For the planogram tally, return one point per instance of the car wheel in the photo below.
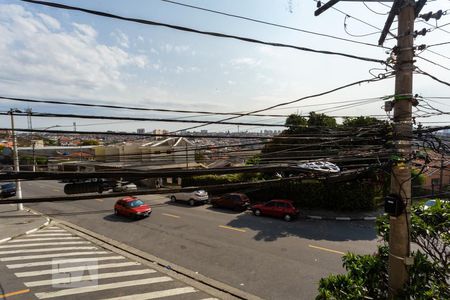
(287, 218)
(191, 202)
(173, 199)
(116, 212)
(257, 212)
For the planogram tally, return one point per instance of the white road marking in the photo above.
(44, 239)
(43, 244)
(158, 294)
(53, 230)
(47, 249)
(62, 261)
(75, 269)
(102, 287)
(87, 277)
(51, 255)
(49, 234)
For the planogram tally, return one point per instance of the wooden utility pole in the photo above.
(399, 236)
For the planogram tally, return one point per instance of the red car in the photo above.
(235, 201)
(276, 208)
(132, 207)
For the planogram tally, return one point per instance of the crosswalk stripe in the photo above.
(47, 249)
(157, 294)
(75, 269)
(49, 234)
(62, 261)
(102, 287)
(51, 255)
(88, 277)
(42, 244)
(44, 239)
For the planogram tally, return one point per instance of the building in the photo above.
(140, 131)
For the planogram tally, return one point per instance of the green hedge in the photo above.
(352, 195)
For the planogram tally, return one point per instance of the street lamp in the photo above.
(16, 156)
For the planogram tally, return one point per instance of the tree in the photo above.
(89, 143)
(361, 121)
(295, 122)
(321, 120)
(366, 276)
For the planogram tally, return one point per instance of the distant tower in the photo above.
(74, 126)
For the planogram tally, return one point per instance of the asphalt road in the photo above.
(267, 257)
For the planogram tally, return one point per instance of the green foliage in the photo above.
(356, 195)
(361, 121)
(366, 276)
(48, 142)
(295, 122)
(89, 143)
(321, 120)
(253, 161)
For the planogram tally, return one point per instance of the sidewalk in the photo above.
(341, 216)
(14, 222)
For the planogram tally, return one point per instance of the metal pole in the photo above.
(16, 161)
(34, 157)
(399, 237)
(441, 177)
(187, 161)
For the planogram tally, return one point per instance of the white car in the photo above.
(199, 196)
(432, 202)
(321, 166)
(125, 188)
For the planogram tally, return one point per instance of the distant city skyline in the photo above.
(53, 54)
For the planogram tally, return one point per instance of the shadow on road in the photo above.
(224, 210)
(114, 218)
(270, 229)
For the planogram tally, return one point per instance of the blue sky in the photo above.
(48, 53)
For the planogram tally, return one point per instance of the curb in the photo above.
(31, 230)
(199, 281)
(341, 218)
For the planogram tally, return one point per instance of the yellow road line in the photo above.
(169, 215)
(55, 190)
(3, 296)
(326, 249)
(99, 200)
(231, 228)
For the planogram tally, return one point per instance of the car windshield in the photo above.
(8, 186)
(135, 203)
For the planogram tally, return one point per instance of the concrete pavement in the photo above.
(14, 223)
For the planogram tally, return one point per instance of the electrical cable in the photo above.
(208, 33)
(298, 100)
(419, 71)
(270, 23)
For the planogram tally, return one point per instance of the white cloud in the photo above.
(50, 21)
(121, 38)
(244, 61)
(39, 58)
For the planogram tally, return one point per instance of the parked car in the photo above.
(7, 190)
(235, 201)
(276, 208)
(321, 166)
(433, 202)
(125, 188)
(132, 207)
(195, 197)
